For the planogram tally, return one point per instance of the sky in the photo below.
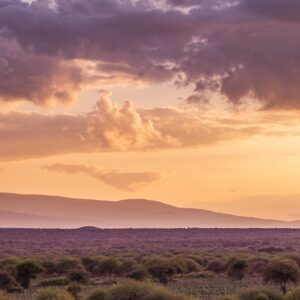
(194, 103)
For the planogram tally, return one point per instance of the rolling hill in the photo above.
(39, 211)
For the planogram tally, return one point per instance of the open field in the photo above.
(92, 241)
(200, 263)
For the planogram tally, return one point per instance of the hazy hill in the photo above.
(53, 211)
(19, 220)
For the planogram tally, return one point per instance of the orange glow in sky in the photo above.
(200, 109)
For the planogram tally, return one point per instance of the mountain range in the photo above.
(40, 211)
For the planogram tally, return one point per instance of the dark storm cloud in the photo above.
(86, 30)
(251, 51)
(40, 79)
(239, 49)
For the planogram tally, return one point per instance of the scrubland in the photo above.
(149, 264)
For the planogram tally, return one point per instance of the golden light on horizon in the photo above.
(187, 111)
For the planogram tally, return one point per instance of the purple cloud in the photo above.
(241, 50)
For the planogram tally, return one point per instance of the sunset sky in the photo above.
(194, 103)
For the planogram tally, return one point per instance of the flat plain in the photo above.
(201, 263)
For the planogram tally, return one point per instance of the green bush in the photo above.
(191, 266)
(50, 267)
(91, 264)
(237, 269)
(26, 271)
(196, 258)
(8, 264)
(128, 265)
(110, 265)
(258, 294)
(55, 281)
(53, 294)
(162, 271)
(138, 273)
(177, 264)
(182, 264)
(134, 290)
(67, 265)
(282, 272)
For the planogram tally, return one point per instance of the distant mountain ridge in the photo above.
(40, 211)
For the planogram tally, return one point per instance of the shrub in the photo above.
(184, 265)
(90, 264)
(258, 294)
(293, 294)
(295, 257)
(199, 260)
(225, 297)
(282, 273)
(271, 250)
(237, 269)
(78, 276)
(97, 294)
(176, 263)
(134, 290)
(163, 272)
(75, 289)
(201, 274)
(110, 265)
(3, 296)
(55, 281)
(53, 294)
(50, 267)
(8, 261)
(258, 265)
(139, 273)
(67, 265)
(191, 266)
(26, 271)
(8, 264)
(216, 266)
(128, 265)
(7, 282)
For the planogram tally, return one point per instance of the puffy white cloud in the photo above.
(122, 128)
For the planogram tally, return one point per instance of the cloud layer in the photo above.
(241, 50)
(106, 128)
(111, 128)
(129, 181)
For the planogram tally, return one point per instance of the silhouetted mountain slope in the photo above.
(53, 211)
